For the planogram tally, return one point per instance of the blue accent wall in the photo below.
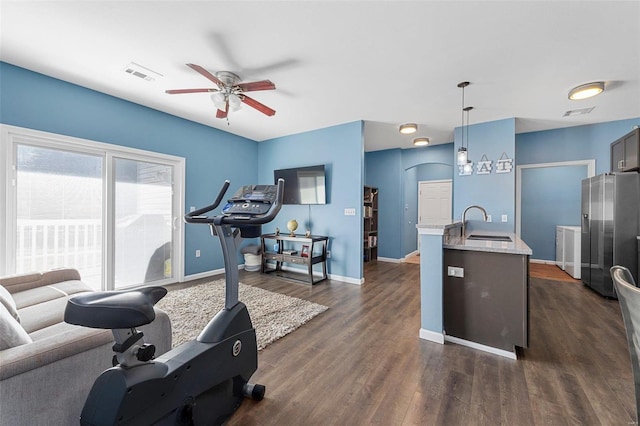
(341, 149)
(396, 173)
(551, 196)
(495, 191)
(36, 101)
(384, 171)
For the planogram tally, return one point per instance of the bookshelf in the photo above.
(370, 218)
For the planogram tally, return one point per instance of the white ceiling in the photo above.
(334, 62)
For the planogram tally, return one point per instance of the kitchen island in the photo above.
(474, 292)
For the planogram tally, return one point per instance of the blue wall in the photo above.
(495, 191)
(340, 149)
(395, 173)
(551, 196)
(40, 102)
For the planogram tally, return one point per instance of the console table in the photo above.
(298, 250)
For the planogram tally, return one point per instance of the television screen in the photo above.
(303, 185)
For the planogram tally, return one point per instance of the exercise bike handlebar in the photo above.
(199, 215)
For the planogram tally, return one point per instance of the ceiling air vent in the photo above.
(139, 71)
(580, 111)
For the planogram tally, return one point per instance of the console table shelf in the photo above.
(290, 250)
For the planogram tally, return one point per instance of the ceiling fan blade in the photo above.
(179, 91)
(206, 73)
(257, 105)
(257, 85)
(221, 113)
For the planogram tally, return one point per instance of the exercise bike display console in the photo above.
(203, 381)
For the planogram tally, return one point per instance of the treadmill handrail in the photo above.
(199, 215)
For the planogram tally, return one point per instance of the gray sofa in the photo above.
(47, 366)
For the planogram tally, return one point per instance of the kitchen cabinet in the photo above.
(625, 152)
(486, 298)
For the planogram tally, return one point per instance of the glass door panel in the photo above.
(59, 205)
(143, 200)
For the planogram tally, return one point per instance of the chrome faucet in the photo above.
(464, 217)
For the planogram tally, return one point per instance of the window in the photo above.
(108, 211)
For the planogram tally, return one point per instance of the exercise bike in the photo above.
(203, 381)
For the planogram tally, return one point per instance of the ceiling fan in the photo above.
(230, 92)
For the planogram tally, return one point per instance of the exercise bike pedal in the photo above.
(254, 391)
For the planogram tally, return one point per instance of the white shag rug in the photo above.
(273, 315)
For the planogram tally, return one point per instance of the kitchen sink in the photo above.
(503, 238)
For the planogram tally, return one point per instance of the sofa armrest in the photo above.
(19, 359)
(22, 282)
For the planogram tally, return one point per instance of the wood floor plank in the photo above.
(361, 362)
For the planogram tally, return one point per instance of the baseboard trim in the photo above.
(484, 348)
(432, 336)
(544, 262)
(390, 260)
(205, 274)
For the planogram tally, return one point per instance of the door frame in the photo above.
(12, 135)
(591, 170)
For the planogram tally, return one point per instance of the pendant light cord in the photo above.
(462, 112)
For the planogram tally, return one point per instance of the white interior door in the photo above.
(434, 202)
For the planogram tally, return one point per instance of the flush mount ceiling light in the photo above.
(421, 141)
(408, 128)
(585, 91)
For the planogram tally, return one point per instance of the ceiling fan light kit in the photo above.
(408, 128)
(229, 95)
(587, 90)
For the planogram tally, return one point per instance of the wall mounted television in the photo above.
(303, 185)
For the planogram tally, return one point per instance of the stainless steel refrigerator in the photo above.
(610, 207)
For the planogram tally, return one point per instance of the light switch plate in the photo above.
(349, 212)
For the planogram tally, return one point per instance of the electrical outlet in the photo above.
(504, 218)
(328, 254)
(197, 253)
(454, 271)
(489, 219)
(192, 208)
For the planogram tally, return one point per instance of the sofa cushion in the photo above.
(49, 292)
(11, 332)
(7, 300)
(22, 282)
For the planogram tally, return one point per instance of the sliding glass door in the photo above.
(59, 212)
(143, 221)
(108, 211)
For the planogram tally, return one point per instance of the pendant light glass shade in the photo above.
(462, 156)
(585, 91)
(408, 128)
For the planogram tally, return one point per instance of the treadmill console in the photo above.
(251, 200)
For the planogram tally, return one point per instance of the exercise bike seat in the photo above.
(114, 309)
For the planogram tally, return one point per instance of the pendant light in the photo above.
(468, 167)
(463, 155)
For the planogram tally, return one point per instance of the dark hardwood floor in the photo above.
(361, 362)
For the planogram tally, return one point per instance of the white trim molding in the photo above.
(432, 336)
(591, 171)
(480, 347)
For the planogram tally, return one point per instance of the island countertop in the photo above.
(516, 246)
